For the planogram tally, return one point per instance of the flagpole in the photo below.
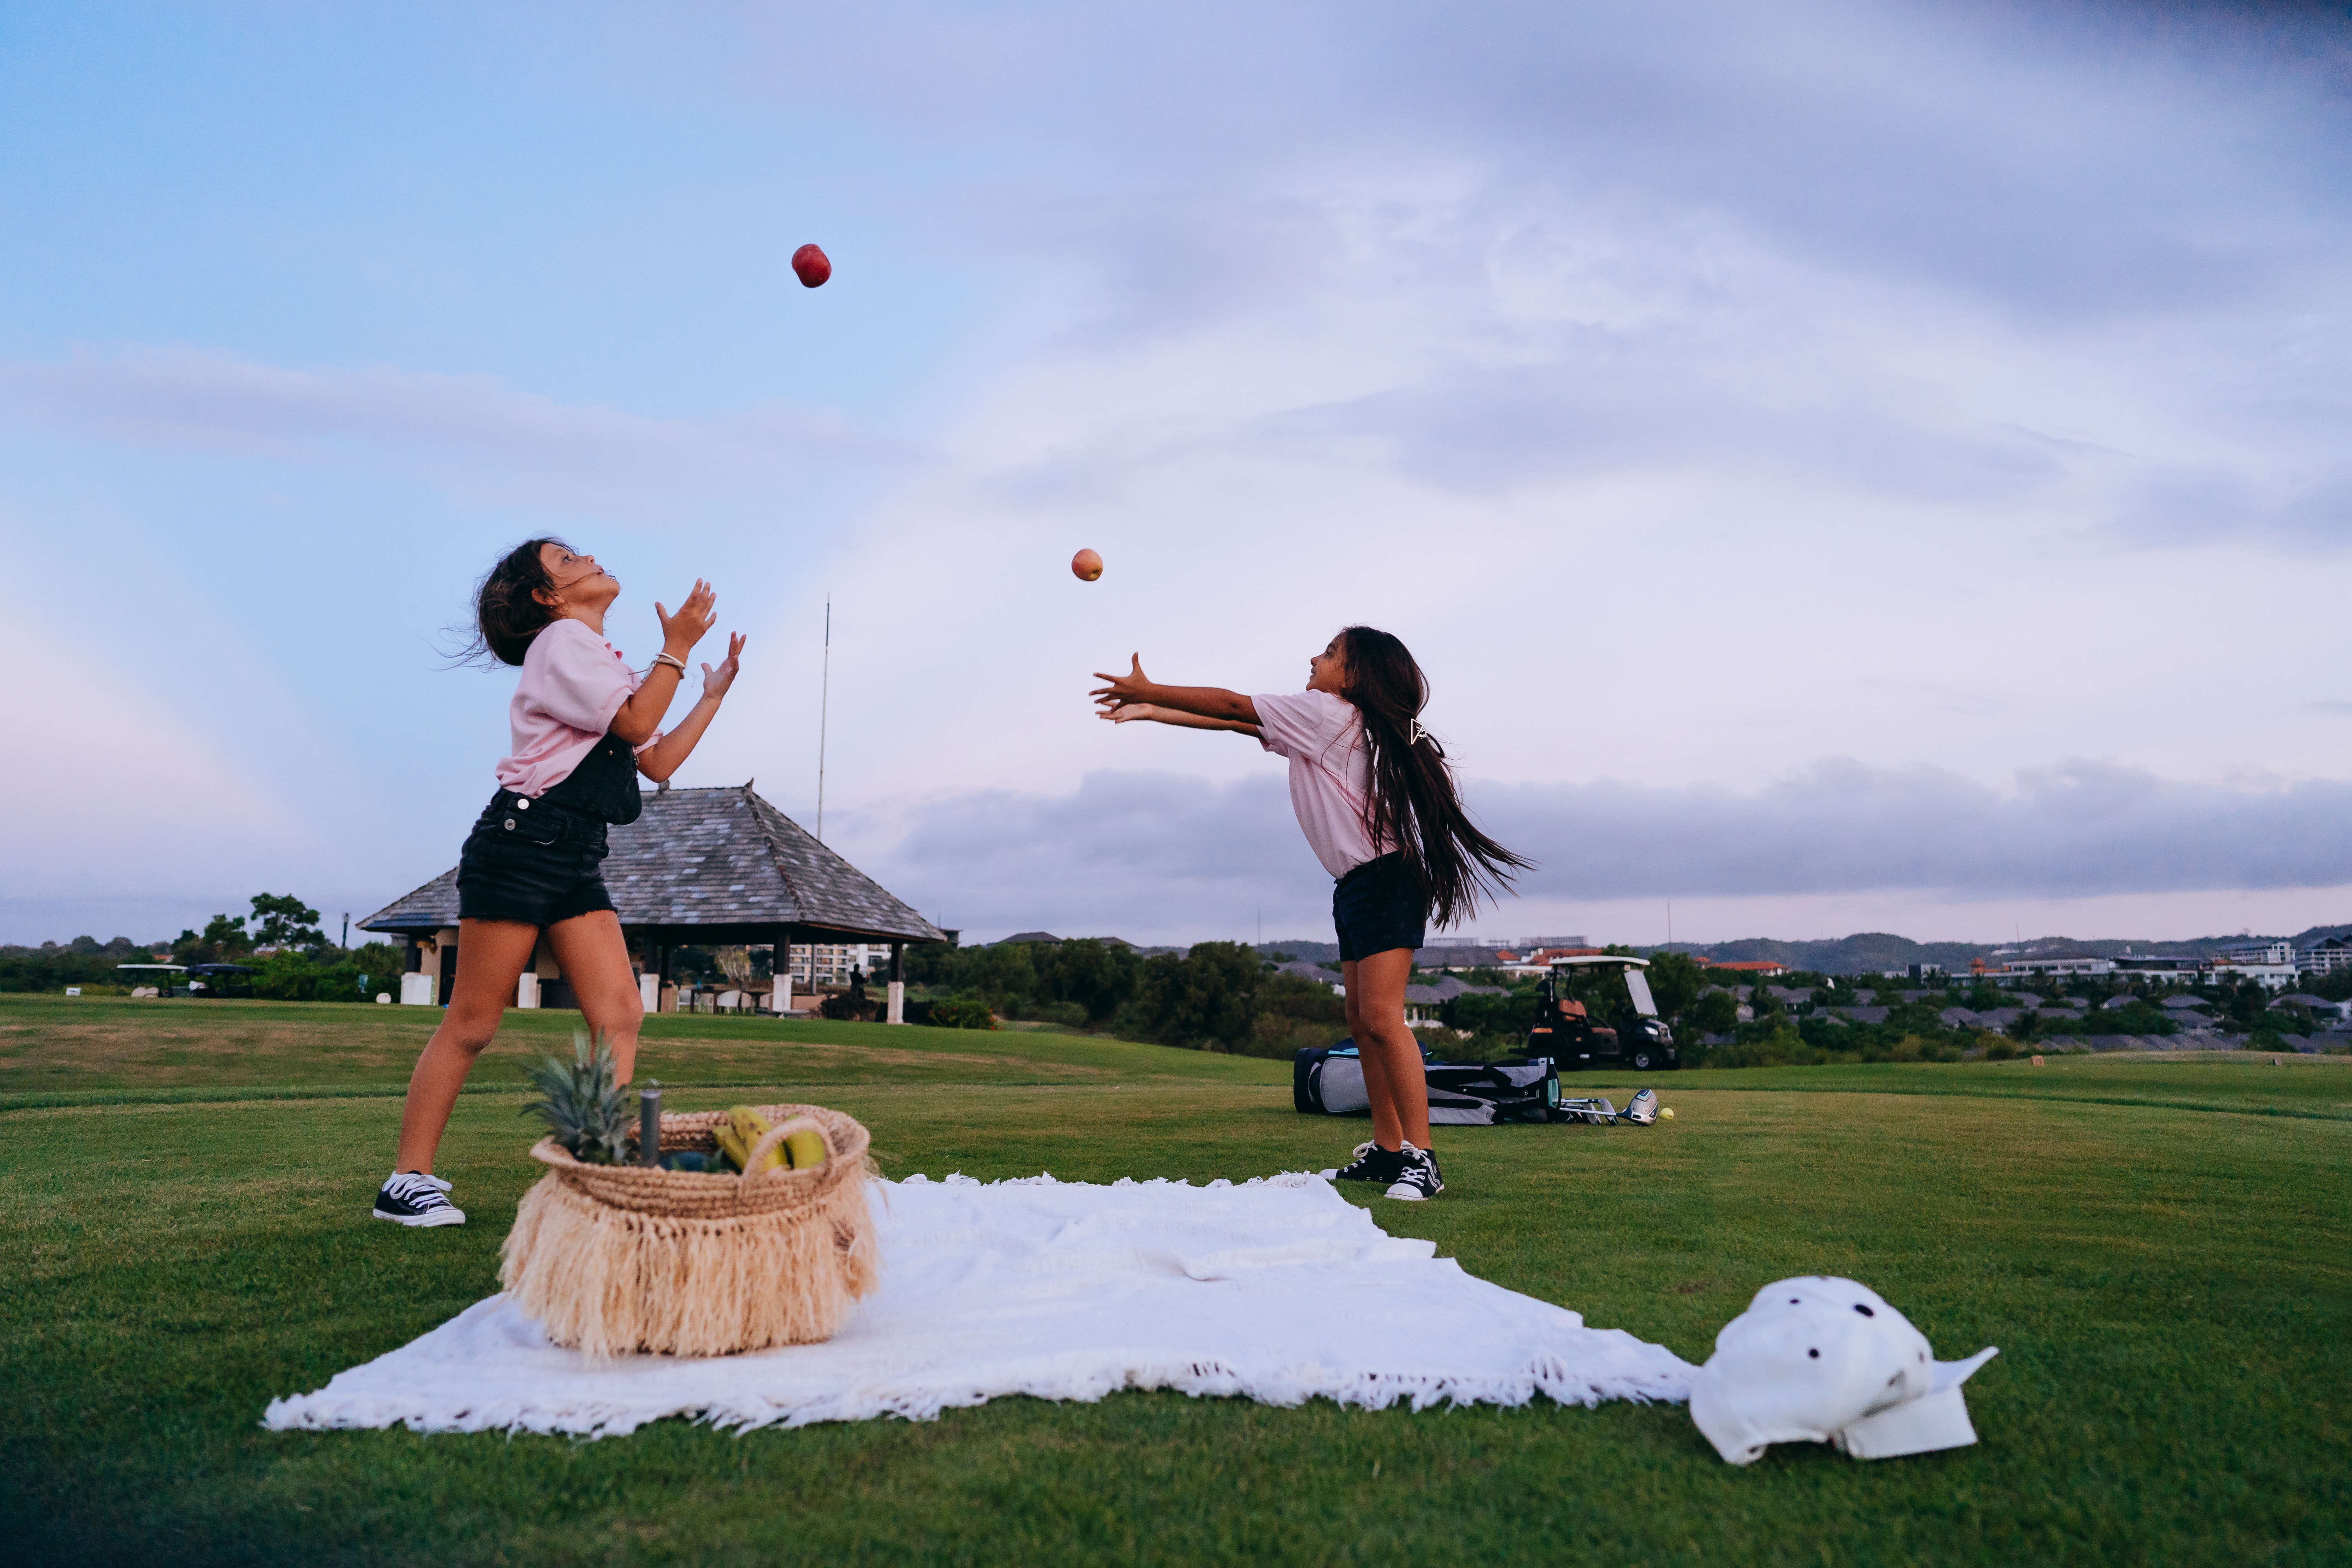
(824, 712)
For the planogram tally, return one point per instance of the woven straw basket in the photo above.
(614, 1259)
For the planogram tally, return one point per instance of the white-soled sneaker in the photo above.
(1419, 1180)
(1372, 1163)
(413, 1198)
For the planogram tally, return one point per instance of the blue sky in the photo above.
(1842, 467)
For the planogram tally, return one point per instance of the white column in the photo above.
(527, 989)
(897, 1013)
(649, 991)
(416, 990)
(783, 991)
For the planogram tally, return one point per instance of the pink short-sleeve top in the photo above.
(574, 682)
(1330, 773)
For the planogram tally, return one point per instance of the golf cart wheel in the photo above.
(1643, 1060)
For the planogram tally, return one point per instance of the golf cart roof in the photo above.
(1598, 960)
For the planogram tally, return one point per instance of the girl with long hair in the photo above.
(1376, 798)
(584, 725)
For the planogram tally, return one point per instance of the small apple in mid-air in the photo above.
(1086, 565)
(810, 266)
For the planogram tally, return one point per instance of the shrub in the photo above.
(1914, 1048)
(958, 1014)
(1778, 1050)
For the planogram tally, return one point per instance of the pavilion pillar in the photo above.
(781, 999)
(897, 1013)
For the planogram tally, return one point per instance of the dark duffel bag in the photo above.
(1330, 1082)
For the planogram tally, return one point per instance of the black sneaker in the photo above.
(1372, 1163)
(1418, 1180)
(411, 1197)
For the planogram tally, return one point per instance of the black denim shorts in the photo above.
(531, 861)
(1377, 907)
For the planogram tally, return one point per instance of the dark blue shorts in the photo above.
(1377, 907)
(529, 861)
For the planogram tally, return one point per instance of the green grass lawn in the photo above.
(2162, 1247)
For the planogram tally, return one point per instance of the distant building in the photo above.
(1762, 968)
(2334, 953)
(2160, 966)
(2060, 963)
(1453, 955)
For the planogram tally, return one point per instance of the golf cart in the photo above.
(1566, 1033)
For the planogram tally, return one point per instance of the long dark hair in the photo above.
(507, 609)
(1413, 807)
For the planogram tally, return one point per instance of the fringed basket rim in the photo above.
(706, 1195)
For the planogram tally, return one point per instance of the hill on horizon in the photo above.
(1872, 952)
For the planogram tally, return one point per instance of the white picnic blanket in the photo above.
(1278, 1291)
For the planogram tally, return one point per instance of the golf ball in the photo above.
(1668, 1115)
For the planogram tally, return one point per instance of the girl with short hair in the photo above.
(1376, 798)
(584, 726)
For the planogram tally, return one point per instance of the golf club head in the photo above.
(1643, 1111)
(1599, 1112)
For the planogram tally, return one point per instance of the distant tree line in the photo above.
(304, 965)
(1216, 996)
(1805, 1031)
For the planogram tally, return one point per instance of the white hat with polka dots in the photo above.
(1819, 1359)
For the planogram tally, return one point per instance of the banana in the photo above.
(805, 1149)
(741, 1133)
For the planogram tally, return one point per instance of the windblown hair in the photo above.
(1413, 807)
(507, 610)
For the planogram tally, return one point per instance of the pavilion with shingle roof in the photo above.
(700, 867)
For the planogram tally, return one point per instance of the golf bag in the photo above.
(1463, 1094)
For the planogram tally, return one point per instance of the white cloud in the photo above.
(123, 785)
(1162, 857)
(180, 396)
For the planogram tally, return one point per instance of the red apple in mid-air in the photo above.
(811, 266)
(1086, 565)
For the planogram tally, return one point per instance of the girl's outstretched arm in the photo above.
(666, 755)
(1205, 702)
(641, 715)
(1127, 713)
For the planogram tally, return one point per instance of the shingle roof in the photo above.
(712, 858)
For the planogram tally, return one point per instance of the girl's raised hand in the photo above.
(1131, 687)
(694, 617)
(1126, 712)
(715, 682)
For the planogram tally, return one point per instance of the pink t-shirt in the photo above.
(1330, 776)
(574, 682)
